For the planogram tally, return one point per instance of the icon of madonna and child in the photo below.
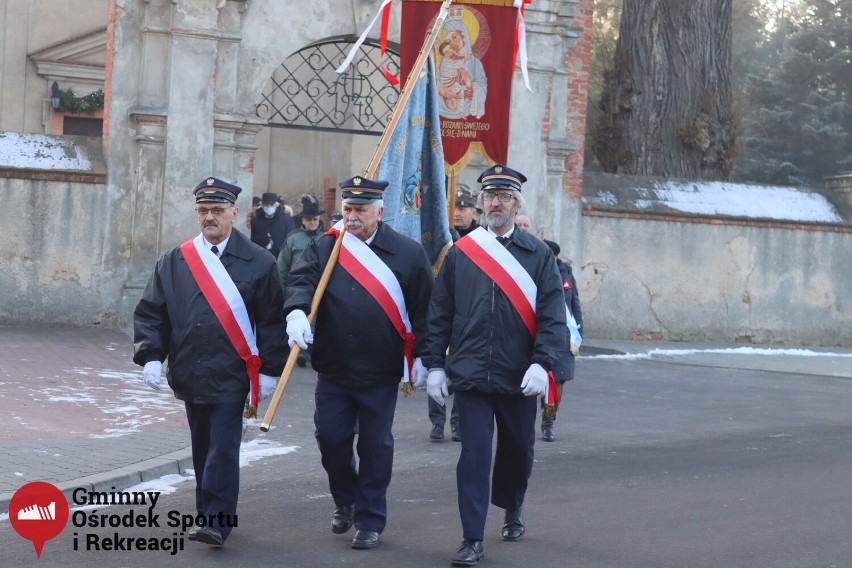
(462, 83)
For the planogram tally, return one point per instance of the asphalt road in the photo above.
(657, 464)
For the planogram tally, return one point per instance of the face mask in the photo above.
(269, 210)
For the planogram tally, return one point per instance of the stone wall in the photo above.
(675, 276)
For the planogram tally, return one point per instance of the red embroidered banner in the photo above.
(474, 64)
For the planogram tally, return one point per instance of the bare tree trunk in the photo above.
(666, 101)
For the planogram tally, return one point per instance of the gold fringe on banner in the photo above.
(473, 147)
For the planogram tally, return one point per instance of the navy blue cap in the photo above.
(362, 190)
(501, 177)
(214, 189)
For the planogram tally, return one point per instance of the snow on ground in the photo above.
(726, 351)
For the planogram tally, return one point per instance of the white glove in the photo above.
(151, 374)
(534, 382)
(267, 386)
(418, 374)
(299, 329)
(436, 385)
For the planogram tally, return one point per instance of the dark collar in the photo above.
(386, 239)
(524, 239)
(239, 245)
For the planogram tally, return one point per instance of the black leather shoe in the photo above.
(342, 519)
(365, 539)
(469, 553)
(192, 534)
(437, 432)
(513, 525)
(209, 535)
(547, 434)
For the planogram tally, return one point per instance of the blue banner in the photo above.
(413, 163)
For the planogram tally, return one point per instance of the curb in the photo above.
(177, 462)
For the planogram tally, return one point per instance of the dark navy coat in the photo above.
(174, 320)
(564, 370)
(355, 343)
(490, 348)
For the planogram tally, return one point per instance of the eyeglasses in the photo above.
(504, 197)
(217, 211)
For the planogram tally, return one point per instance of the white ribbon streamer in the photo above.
(522, 44)
(361, 39)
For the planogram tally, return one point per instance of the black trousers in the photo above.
(216, 431)
(338, 410)
(514, 416)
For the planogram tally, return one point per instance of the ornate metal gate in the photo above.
(306, 92)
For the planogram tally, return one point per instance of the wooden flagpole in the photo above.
(369, 173)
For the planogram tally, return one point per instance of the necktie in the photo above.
(503, 240)
(215, 250)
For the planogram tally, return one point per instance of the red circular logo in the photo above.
(38, 512)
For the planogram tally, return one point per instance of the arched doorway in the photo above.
(336, 119)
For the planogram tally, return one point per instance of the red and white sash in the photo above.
(376, 277)
(483, 249)
(227, 304)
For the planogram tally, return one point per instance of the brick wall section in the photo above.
(578, 62)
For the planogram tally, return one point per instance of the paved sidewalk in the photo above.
(74, 411)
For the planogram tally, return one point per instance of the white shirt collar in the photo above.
(507, 235)
(221, 246)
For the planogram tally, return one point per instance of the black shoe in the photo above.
(437, 432)
(365, 539)
(513, 525)
(547, 434)
(210, 535)
(456, 436)
(469, 553)
(342, 519)
(192, 534)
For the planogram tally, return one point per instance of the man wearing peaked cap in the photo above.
(466, 210)
(359, 352)
(206, 370)
(497, 374)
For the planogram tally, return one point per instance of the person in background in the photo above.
(363, 346)
(495, 346)
(564, 370)
(464, 221)
(255, 204)
(466, 210)
(270, 224)
(525, 223)
(297, 241)
(209, 372)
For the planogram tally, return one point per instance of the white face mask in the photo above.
(269, 210)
